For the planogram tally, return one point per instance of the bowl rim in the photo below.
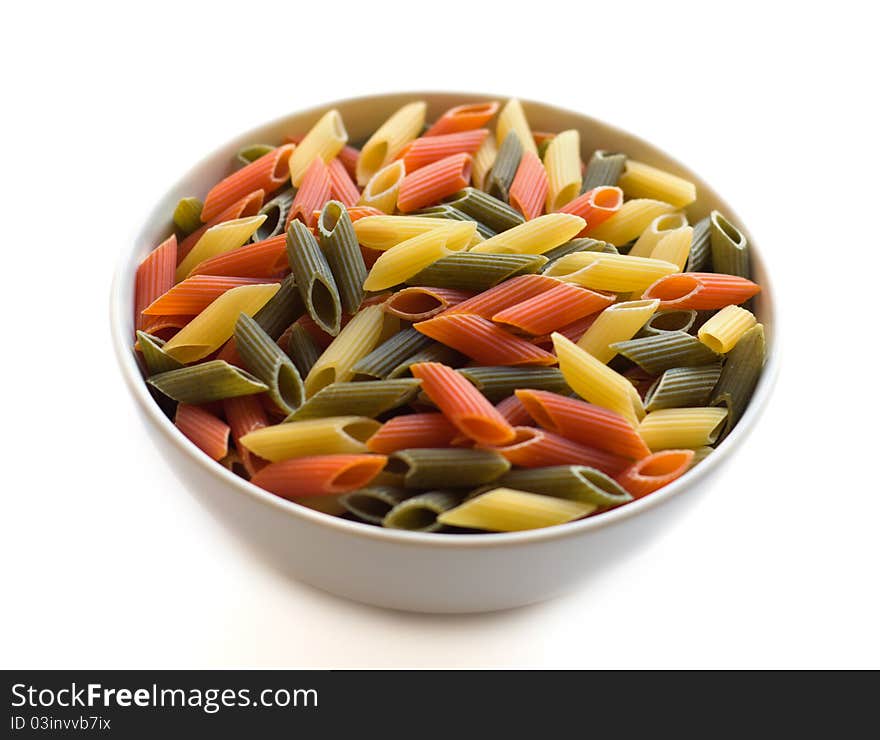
(135, 382)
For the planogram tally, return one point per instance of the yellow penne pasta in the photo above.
(483, 161)
(513, 118)
(640, 180)
(381, 191)
(657, 230)
(617, 323)
(675, 247)
(595, 382)
(673, 429)
(563, 164)
(534, 237)
(384, 232)
(413, 255)
(386, 143)
(218, 239)
(325, 140)
(333, 435)
(614, 272)
(214, 326)
(357, 339)
(509, 510)
(630, 221)
(723, 330)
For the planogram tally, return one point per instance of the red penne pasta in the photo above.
(463, 404)
(463, 118)
(264, 259)
(418, 304)
(584, 423)
(196, 293)
(321, 337)
(245, 414)
(203, 429)
(229, 353)
(313, 193)
(432, 183)
(348, 156)
(356, 212)
(573, 331)
(268, 173)
(701, 291)
(555, 308)
(155, 276)
(342, 187)
(528, 191)
(483, 341)
(412, 430)
(595, 206)
(538, 448)
(249, 205)
(655, 471)
(509, 293)
(512, 409)
(321, 475)
(427, 150)
(165, 327)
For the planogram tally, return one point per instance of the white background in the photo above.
(108, 563)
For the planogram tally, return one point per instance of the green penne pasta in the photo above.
(604, 168)
(372, 504)
(447, 211)
(188, 215)
(209, 381)
(730, 250)
(497, 383)
(154, 358)
(435, 352)
(739, 376)
(429, 468)
(573, 482)
(501, 175)
(476, 272)
(658, 353)
(683, 387)
(343, 253)
(367, 398)
(391, 353)
(419, 513)
(313, 278)
(275, 211)
(267, 361)
(577, 245)
(281, 310)
(301, 348)
(484, 209)
(700, 256)
(252, 152)
(663, 322)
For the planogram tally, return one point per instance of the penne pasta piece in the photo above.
(603, 169)
(245, 414)
(262, 259)
(313, 278)
(419, 513)
(483, 341)
(683, 387)
(312, 194)
(268, 173)
(369, 399)
(563, 164)
(595, 206)
(724, 329)
(655, 232)
(159, 326)
(730, 250)
(430, 149)
(513, 118)
(412, 431)
(276, 212)
(348, 156)
(390, 354)
(595, 382)
(357, 339)
(530, 187)
(585, 423)
(675, 247)
(419, 303)
(508, 510)
(661, 352)
(188, 215)
(252, 152)
(433, 182)
(430, 468)
(700, 257)
(666, 321)
(740, 376)
(334, 435)
(572, 482)
(630, 221)
(655, 471)
(213, 326)
(154, 357)
(612, 272)
(446, 211)
(463, 118)
(217, 240)
(701, 291)
(154, 277)
(196, 293)
(343, 254)
(496, 383)
(640, 180)
(342, 187)
(506, 294)
(573, 331)
(484, 160)
(319, 475)
(484, 209)
(302, 349)
(514, 412)
(555, 308)
(476, 272)
(669, 429)
(245, 207)
(281, 310)
(323, 141)
(206, 382)
(203, 429)
(533, 237)
(577, 245)
(434, 352)
(372, 503)
(390, 138)
(383, 188)
(463, 404)
(384, 232)
(617, 323)
(498, 180)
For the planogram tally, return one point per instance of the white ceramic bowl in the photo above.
(408, 570)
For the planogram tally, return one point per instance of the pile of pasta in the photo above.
(458, 327)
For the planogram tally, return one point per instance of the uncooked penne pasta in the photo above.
(690, 428)
(508, 510)
(389, 139)
(513, 118)
(334, 435)
(563, 164)
(324, 140)
(640, 180)
(617, 323)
